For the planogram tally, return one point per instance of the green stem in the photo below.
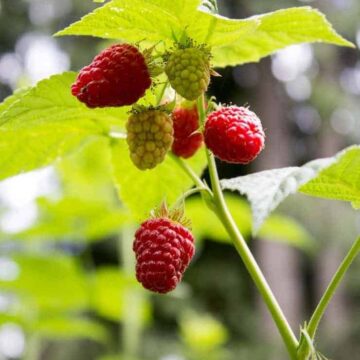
(191, 173)
(161, 94)
(247, 257)
(330, 291)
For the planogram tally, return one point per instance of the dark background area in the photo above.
(308, 99)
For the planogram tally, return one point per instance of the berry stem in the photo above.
(190, 172)
(161, 93)
(222, 211)
(329, 293)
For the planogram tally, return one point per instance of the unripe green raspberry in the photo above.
(188, 71)
(149, 136)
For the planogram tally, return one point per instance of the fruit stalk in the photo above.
(328, 295)
(242, 248)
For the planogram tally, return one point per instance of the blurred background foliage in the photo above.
(67, 287)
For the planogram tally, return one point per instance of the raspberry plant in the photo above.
(185, 39)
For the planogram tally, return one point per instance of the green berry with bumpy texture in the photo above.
(149, 136)
(188, 71)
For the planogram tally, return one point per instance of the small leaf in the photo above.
(340, 181)
(267, 189)
(141, 191)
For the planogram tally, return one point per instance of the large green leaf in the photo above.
(141, 191)
(267, 189)
(233, 42)
(41, 124)
(51, 101)
(31, 148)
(336, 177)
(273, 31)
(10, 100)
(340, 181)
(137, 20)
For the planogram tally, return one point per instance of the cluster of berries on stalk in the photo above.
(120, 76)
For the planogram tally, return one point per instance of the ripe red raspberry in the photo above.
(187, 138)
(163, 249)
(118, 76)
(234, 134)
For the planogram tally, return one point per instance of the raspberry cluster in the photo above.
(149, 136)
(163, 249)
(188, 71)
(118, 76)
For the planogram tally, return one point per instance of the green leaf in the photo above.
(62, 328)
(340, 181)
(141, 191)
(28, 149)
(10, 100)
(51, 102)
(233, 42)
(267, 189)
(41, 124)
(86, 174)
(273, 31)
(137, 20)
(111, 291)
(48, 283)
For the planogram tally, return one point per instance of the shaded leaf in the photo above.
(141, 191)
(111, 288)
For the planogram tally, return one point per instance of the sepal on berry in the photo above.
(176, 214)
